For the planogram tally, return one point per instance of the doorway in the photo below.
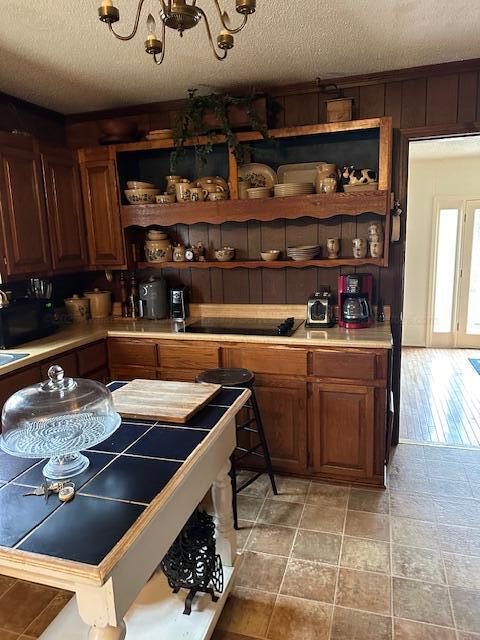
(440, 397)
(454, 319)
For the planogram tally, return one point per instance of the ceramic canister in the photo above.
(78, 308)
(100, 303)
(359, 247)
(333, 247)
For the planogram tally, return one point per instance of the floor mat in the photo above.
(475, 364)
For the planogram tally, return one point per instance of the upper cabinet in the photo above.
(102, 209)
(64, 207)
(24, 226)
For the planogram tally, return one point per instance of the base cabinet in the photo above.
(323, 409)
(283, 405)
(341, 430)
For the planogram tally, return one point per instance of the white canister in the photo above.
(78, 308)
(100, 303)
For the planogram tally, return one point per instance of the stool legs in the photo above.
(263, 440)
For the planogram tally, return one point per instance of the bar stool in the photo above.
(245, 379)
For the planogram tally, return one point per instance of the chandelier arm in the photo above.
(209, 33)
(160, 60)
(135, 25)
(222, 20)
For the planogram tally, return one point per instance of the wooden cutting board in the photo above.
(162, 400)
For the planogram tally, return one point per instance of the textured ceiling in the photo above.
(57, 53)
(458, 147)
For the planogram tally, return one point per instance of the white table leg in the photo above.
(107, 633)
(225, 534)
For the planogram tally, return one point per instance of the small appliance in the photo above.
(320, 312)
(153, 295)
(178, 303)
(354, 300)
(25, 319)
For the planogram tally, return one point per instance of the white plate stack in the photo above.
(303, 253)
(293, 189)
(259, 192)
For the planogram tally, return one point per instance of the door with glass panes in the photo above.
(455, 299)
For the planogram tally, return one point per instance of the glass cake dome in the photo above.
(57, 419)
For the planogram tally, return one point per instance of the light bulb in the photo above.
(151, 25)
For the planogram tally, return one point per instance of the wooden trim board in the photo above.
(162, 400)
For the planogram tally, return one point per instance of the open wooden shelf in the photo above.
(324, 205)
(256, 264)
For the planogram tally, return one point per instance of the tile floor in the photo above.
(326, 562)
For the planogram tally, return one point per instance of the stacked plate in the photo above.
(293, 189)
(303, 253)
(259, 192)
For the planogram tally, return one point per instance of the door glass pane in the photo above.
(445, 270)
(473, 317)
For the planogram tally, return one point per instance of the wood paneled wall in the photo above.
(48, 126)
(439, 96)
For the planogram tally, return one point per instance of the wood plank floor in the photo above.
(440, 397)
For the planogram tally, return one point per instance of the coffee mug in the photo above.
(197, 194)
(333, 247)
(182, 190)
(328, 185)
(359, 247)
(376, 249)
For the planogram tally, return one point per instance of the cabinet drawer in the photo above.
(67, 362)
(190, 355)
(132, 352)
(124, 372)
(92, 358)
(179, 375)
(344, 364)
(271, 360)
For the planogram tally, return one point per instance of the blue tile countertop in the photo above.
(126, 472)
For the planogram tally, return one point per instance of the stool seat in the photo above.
(227, 377)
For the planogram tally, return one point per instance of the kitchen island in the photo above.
(324, 394)
(131, 503)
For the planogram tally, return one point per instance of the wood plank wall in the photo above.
(443, 95)
(48, 126)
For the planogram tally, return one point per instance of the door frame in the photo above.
(461, 337)
(402, 139)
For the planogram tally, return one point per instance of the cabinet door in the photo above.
(341, 430)
(24, 220)
(64, 207)
(102, 213)
(283, 408)
(12, 383)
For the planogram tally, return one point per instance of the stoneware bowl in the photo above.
(270, 255)
(224, 254)
(135, 184)
(166, 198)
(141, 196)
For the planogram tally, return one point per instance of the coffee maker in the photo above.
(178, 303)
(355, 300)
(320, 313)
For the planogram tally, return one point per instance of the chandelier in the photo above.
(178, 15)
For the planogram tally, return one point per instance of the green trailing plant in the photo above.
(192, 124)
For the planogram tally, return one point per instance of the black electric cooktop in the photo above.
(245, 326)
